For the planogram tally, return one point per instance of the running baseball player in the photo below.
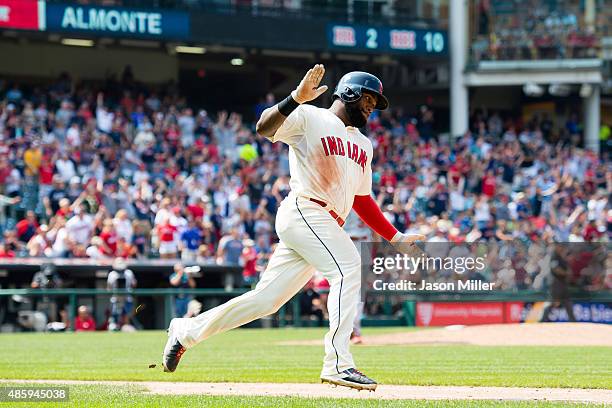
(330, 166)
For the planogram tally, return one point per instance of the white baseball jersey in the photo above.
(328, 161)
(331, 162)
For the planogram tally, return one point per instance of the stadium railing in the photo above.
(408, 298)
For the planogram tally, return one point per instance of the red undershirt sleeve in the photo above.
(367, 209)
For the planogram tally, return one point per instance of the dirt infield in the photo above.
(530, 334)
(387, 392)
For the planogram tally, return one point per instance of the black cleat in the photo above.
(351, 378)
(172, 352)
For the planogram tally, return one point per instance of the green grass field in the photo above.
(254, 356)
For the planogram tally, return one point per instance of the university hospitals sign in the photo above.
(117, 21)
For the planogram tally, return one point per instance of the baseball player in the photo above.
(330, 168)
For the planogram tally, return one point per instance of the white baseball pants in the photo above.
(310, 239)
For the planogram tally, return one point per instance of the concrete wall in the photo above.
(498, 97)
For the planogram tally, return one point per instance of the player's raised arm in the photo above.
(308, 90)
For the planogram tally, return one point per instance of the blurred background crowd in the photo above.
(532, 30)
(125, 171)
(143, 152)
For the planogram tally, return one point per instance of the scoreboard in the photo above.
(401, 40)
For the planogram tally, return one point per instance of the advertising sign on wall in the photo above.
(445, 314)
(587, 312)
(118, 21)
(22, 14)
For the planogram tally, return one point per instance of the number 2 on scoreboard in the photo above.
(372, 35)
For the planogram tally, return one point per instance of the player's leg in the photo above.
(286, 274)
(319, 239)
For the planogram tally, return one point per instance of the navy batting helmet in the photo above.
(351, 86)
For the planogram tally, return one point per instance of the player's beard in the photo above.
(355, 115)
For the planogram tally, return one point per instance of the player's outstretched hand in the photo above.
(309, 89)
(407, 243)
(408, 238)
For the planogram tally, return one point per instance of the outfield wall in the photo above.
(473, 313)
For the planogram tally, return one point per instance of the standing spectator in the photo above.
(27, 227)
(38, 244)
(104, 117)
(182, 280)
(65, 113)
(65, 167)
(230, 249)
(168, 242)
(32, 159)
(91, 197)
(5, 202)
(482, 213)
(191, 238)
(109, 236)
(138, 116)
(56, 194)
(79, 229)
(225, 134)
(58, 237)
(75, 189)
(187, 125)
(163, 212)
(489, 184)
(198, 209)
(123, 226)
(145, 139)
(439, 200)
(140, 239)
(73, 136)
(45, 178)
(5, 170)
(13, 183)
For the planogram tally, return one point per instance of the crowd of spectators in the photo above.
(534, 29)
(116, 170)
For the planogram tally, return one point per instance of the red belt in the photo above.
(335, 216)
